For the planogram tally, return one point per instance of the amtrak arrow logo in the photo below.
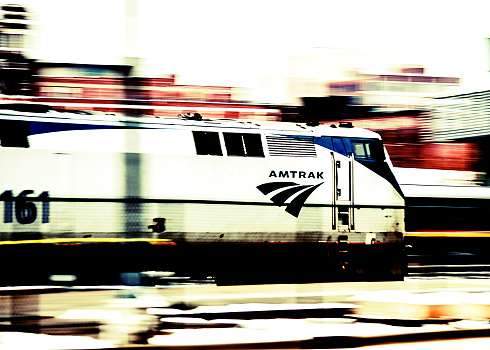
(289, 190)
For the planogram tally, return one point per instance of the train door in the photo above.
(343, 187)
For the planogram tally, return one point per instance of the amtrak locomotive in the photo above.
(235, 199)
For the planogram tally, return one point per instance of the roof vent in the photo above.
(290, 146)
(345, 125)
(191, 116)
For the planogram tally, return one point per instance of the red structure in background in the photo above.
(111, 89)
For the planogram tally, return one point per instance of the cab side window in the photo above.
(207, 143)
(243, 145)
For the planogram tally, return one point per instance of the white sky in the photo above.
(234, 43)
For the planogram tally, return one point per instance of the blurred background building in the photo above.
(106, 87)
(15, 66)
(112, 88)
(410, 88)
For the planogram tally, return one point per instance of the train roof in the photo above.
(42, 113)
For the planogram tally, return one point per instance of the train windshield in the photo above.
(370, 150)
(367, 149)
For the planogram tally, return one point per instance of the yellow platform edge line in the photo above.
(84, 240)
(449, 234)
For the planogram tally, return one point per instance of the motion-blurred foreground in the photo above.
(417, 312)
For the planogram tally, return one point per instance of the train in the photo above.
(243, 201)
(447, 223)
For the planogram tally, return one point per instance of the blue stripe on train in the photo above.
(46, 127)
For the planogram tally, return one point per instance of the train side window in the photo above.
(14, 133)
(243, 145)
(207, 143)
(235, 145)
(253, 145)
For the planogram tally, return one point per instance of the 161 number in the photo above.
(24, 208)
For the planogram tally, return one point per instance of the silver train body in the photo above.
(88, 177)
